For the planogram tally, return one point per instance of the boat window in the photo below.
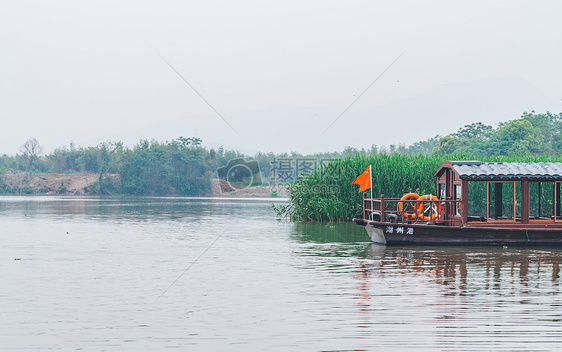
(442, 194)
(458, 197)
(541, 201)
(502, 201)
(477, 200)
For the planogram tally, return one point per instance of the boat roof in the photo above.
(477, 170)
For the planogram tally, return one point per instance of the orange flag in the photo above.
(364, 180)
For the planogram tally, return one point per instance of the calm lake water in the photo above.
(149, 274)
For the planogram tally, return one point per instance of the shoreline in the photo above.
(20, 183)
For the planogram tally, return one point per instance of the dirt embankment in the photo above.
(19, 182)
(221, 188)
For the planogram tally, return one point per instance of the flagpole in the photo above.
(371, 176)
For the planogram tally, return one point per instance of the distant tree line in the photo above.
(184, 166)
(530, 135)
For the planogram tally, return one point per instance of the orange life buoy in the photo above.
(407, 196)
(434, 205)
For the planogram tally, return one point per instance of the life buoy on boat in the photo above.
(407, 196)
(435, 207)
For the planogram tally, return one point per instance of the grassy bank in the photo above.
(327, 193)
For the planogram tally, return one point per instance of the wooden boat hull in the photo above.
(424, 234)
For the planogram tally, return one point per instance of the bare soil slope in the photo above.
(221, 188)
(44, 183)
(19, 182)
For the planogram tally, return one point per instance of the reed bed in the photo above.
(328, 195)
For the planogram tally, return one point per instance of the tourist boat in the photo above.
(476, 203)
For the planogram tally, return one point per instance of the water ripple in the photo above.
(88, 273)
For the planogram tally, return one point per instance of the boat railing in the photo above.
(408, 211)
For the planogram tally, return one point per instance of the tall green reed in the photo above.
(328, 195)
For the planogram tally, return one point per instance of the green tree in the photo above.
(519, 137)
(424, 147)
(474, 130)
(449, 145)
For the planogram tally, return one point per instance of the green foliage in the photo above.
(449, 144)
(181, 167)
(475, 130)
(423, 147)
(519, 137)
(337, 199)
(531, 134)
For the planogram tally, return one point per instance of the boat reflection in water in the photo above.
(470, 269)
(397, 298)
(459, 298)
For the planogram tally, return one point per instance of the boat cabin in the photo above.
(481, 194)
(523, 193)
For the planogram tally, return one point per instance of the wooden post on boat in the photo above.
(558, 206)
(383, 208)
(525, 200)
(464, 201)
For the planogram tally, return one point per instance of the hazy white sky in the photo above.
(280, 72)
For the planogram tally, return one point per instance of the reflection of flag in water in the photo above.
(364, 180)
